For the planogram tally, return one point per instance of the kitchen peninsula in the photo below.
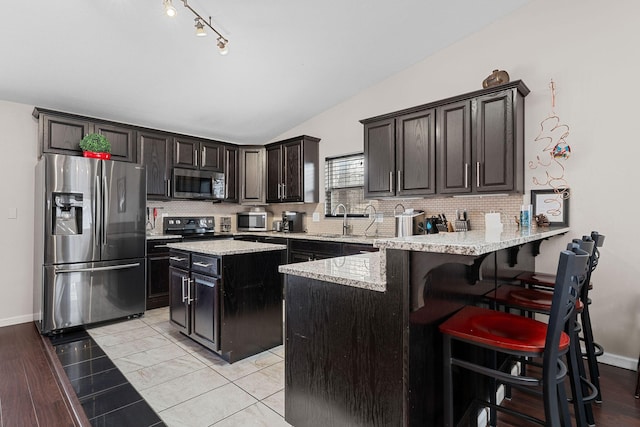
(227, 295)
(362, 342)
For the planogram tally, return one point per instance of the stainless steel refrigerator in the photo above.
(89, 241)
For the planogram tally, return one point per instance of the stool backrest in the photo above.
(573, 267)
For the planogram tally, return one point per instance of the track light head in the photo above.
(169, 9)
(200, 32)
(223, 45)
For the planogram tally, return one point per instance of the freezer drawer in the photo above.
(81, 294)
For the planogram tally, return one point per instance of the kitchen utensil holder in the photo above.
(462, 225)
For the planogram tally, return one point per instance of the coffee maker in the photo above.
(292, 222)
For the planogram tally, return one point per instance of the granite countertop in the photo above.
(329, 237)
(225, 247)
(162, 237)
(360, 271)
(476, 242)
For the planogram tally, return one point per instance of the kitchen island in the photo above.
(362, 341)
(227, 295)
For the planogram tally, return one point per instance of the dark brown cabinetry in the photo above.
(192, 153)
(61, 133)
(400, 156)
(231, 304)
(478, 139)
(252, 176)
(158, 273)
(154, 151)
(301, 250)
(292, 170)
(231, 173)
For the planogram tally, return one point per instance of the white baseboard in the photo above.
(8, 321)
(618, 361)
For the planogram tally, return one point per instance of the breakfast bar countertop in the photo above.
(475, 242)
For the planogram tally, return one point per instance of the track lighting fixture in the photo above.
(200, 22)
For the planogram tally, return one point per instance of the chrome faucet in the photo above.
(345, 227)
(375, 214)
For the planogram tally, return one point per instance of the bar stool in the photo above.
(522, 337)
(546, 281)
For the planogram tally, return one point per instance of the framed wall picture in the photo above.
(553, 203)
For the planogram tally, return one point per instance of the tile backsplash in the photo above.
(507, 205)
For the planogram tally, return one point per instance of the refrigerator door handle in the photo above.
(105, 210)
(96, 219)
(81, 270)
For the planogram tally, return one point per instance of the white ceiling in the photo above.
(289, 60)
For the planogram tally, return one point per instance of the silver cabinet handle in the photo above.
(390, 181)
(168, 188)
(176, 258)
(477, 174)
(189, 286)
(184, 296)
(279, 196)
(201, 264)
(399, 184)
(466, 175)
(284, 190)
(160, 246)
(203, 157)
(195, 157)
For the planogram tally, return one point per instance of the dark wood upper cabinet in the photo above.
(400, 156)
(191, 153)
(416, 154)
(454, 147)
(292, 170)
(122, 139)
(61, 133)
(154, 152)
(230, 155)
(477, 139)
(252, 174)
(379, 158)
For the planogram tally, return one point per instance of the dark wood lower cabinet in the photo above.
(157, 274)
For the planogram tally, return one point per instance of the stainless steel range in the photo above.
(193, 227)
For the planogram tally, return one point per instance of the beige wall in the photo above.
(18, 137)
(589, 50)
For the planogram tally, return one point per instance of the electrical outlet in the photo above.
(316, 217)
(379, 217)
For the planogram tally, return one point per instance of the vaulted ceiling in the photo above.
(289, 60)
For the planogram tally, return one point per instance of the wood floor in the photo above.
(32, 391)
(35, 392)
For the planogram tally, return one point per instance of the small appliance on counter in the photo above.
(409, 223)
(225, 224)
(257, 219)
(292, 222)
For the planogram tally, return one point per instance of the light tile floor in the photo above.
(188, 385)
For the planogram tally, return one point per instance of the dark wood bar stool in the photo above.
(546, 281)
(521, 337)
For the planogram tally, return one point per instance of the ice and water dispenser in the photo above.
(67, 213)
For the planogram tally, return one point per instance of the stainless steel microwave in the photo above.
(197, 184)
(253, 221)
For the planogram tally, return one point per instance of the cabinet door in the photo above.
(274, 176)
(453, 141)
(494, 154)
(185, 153)
(415, 154)
(122, 141)
(292, 177)
(157, 281)
(231, 174)
(211, 156)
(63, 135)
(379, 159)
(205, 306)
(154, 153)
(252, 175)
(178, 307)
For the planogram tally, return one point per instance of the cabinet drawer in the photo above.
(159, 246)
(179, 259)
(329, 248)
(205, 264)
(357, 248)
